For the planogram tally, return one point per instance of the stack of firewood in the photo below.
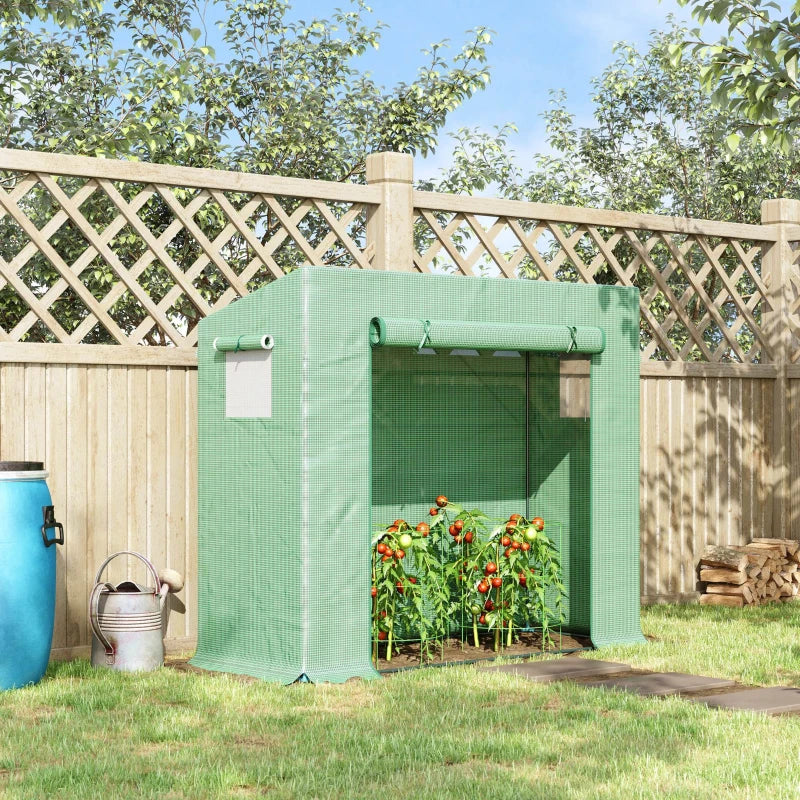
(764, 571)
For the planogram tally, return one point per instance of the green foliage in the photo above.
(654, 147)
(285, 98)
(752, 70)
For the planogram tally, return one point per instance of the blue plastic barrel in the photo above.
(28, 531)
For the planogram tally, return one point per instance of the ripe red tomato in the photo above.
(373, 592)
(441, 501)
(381, 548)
(468, 537)
(483, 587)
(482, 619)
(538, 523)
(491, 568)
(400, 587)
(423, 528)
(525, 546)
(386, 558)
(515, 518)
(383, 614)
(497, 582)
(400, 553)
(400, 523)
(457, 539)
(505, 541)
(412, 579)
(489, 605)
(511, 527)
(459, 525)
(392, 529)
(433, 511)
(383, 636)
(523, 581)
(389, 552)
(507, 552)
(452, 530)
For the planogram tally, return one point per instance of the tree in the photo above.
(138, 79)
(141, 81)
(654, 147)
(752, 69)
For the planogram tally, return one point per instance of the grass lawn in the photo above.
(442, 733)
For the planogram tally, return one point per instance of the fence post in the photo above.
(776, 266)
(390, 225)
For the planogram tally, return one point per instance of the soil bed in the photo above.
(458, 651)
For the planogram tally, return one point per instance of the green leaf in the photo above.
(732, 142)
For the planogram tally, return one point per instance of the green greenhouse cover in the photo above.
(387, 389)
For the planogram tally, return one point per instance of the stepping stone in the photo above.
(662, 683)
(769, 700)
(560, 669)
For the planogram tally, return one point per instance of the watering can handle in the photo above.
(94, 600)
(137, 555)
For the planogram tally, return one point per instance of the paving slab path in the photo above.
(622, 677)
(560, 669)
(661, 684)
(767, 700)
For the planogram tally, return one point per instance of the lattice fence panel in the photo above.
(793, 274)
(702, 296)
(95, 260)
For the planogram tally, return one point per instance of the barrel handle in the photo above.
(130, 553)
(94, 601)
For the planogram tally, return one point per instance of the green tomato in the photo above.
(406, 541)
(476, 610)
(531, 534)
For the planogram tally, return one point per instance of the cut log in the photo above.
(777, 580)
(759, 559)
(753, 573)
(786, 590)
(770, 549)
(790, 545)
(723, 576)
(725, 557)
(734, 601)
(727, 588)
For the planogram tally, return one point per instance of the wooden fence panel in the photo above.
(120, 445)
(705, 473)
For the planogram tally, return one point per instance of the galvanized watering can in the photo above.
(128, 620)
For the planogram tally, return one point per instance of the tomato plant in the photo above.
(462, 571)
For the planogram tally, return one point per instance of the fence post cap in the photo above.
(390, 167)
(780, 210)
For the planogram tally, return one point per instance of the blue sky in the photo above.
(538, 45)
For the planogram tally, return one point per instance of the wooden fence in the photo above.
(106, 267)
